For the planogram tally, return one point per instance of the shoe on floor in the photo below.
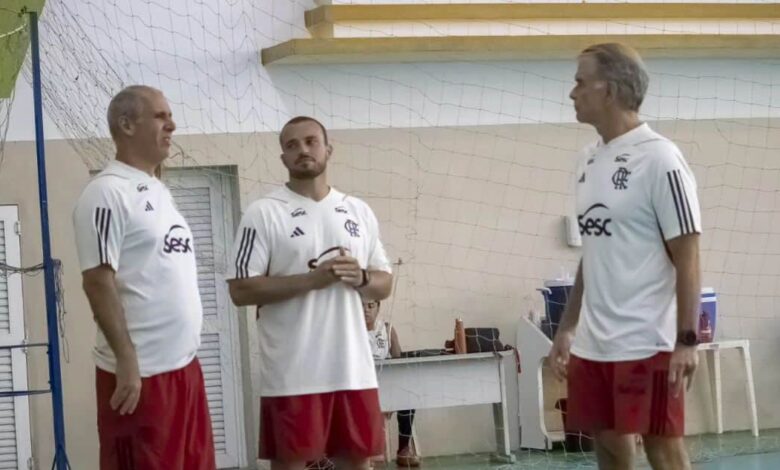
(406, 458)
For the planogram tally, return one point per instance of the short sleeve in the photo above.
(674, 195)
(377, 256)
(99, 221)
(578, 178)
(251, 253)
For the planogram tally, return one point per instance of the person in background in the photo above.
(384, 344)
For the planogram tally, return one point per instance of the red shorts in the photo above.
(629, 397)
(169, 430)
(308, 427)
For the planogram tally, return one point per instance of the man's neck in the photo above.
(617, 125)
(132, 159)
(316, 188)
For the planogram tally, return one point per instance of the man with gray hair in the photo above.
(140, 277)
(627, 339)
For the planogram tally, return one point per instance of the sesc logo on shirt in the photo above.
(597, 224)
(177, 240)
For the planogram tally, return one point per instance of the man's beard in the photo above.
(308, 174)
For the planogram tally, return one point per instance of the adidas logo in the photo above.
(149, 206)
(297, 232)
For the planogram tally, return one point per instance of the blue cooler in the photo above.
(556, 294)
(708, 315)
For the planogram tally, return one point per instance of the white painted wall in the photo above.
(21, 120)
(206, 59)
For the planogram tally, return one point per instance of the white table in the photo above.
(713, 362)
(446, 381)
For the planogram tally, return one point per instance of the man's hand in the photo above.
(128, 385)
(347, 269)
(324, 274)
(683, 364)
(558, 359)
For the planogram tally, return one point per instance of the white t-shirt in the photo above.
(127, 219)
(632, 194)
(379, 340)
(313, 343)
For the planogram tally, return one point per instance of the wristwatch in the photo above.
(366, 278)
(687, 338)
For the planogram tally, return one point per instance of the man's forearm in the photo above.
(688, 302)
(379, 287)
(571, 313)
(684, 252)
(110, 317)
(265, 290)
(686, 260)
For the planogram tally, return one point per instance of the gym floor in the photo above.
(729, 451)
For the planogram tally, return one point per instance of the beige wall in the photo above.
(18, 185)
(475, 215)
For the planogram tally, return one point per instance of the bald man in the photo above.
(139, 273)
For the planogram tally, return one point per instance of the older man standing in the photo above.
(138, 267)
(631, 323)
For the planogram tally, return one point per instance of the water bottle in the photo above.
(460, 337)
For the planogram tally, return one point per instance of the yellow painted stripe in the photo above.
(571, 11)
(458, 48)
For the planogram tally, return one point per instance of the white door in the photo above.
(204, 198)
(15, 448)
